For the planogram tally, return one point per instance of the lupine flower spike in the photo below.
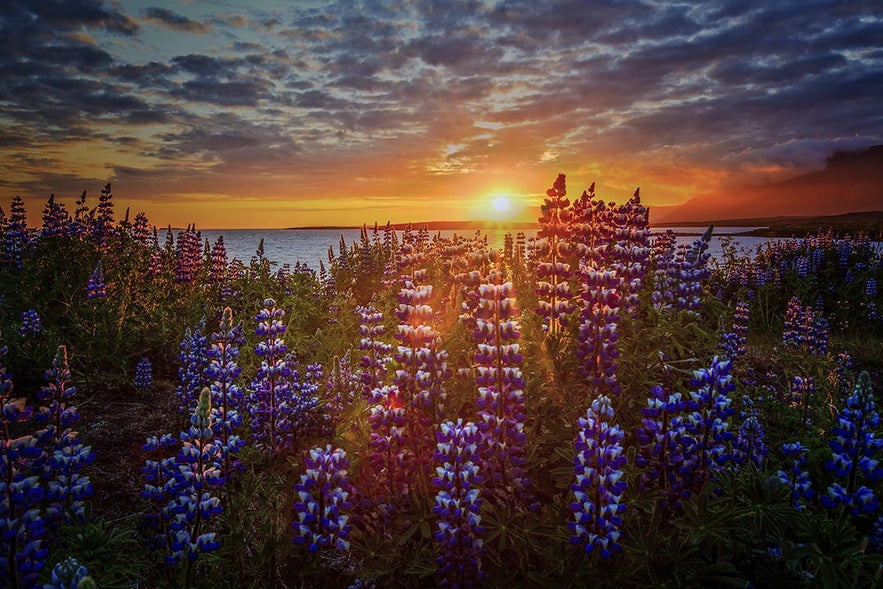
(323, 501)
(599, 485)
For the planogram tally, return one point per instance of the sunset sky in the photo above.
(290, 113)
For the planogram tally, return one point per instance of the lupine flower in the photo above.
(144, 375)
(803, 391)
(599, 484)
(749, 446)
(141, 230)
(500, 389)
(223, 372)
(197, 471)
(631, 249)
(805, 329)
(160, 487)
(30, 324)
(67, 574)
(272, 382)
(660, 451)
(796, 478)
(665, 278)
(732, 343)
(102, 225)
(553, 246)
(458, 505)
(218, 269)
(871, 295)
(66, 488)
(16, 235)
(707, 422)
(188, 254)
(22, 527)
(193, 360)
(321, 510)
(390, 456)
(855, 445)
(55, 218)
(95, 287)
(598, 335)
(840, 374)
(692, 271)
(155, 261)
(377, 351)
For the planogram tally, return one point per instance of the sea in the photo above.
(310, 246)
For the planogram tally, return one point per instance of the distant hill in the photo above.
(870, 222)
(851, 181)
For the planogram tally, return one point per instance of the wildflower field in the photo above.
(592, 407)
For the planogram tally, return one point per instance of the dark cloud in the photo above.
(175, 21)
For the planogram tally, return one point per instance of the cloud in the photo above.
(174, 21)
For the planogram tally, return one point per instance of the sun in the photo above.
(498, 206)
(500, 203)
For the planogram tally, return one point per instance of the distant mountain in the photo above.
(851, 181)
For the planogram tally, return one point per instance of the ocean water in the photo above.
(310, 246)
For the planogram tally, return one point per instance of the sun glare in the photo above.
(501, 204)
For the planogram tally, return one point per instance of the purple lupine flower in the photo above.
(322, 507)
(732, 343)
(193, 360)
(805, 329)
(598, 335)
(282, 402)
(599, 484)
(856, 445)
(390, 457)
(871, 296)
(631, 250)
(22, 527)
(458, 505)
(55, 218)
(662, 253)
(500, 389)
(749, 447)
(102, 224)
(796, 478)
(793, 320)
(692, 264)
(803, 391)
(160, 487)
(16, 235)
(95, 287)
(188, 254)
(218, 269)
(30, 324)
(197, 470)
(552, 247)
(66, 488)
(155, 261)
(223, 372)
(841, 373)
(67, 574)
(660, 451)
(377, 352)
(707, 421)
(141, 229)
(144, 375)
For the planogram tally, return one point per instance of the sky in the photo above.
(286, 113)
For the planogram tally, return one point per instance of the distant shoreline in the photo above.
(870, 222)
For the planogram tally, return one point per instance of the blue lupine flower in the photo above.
(321, 511)
(95, 287)
(227, 396)
(855, 445)
(749, 446)
(272, 383)
(660, 450)
(796, 478)
(55, 218)
(16, 235)
(706, 447)
(732, 343)
(377, 351)
(193, 359)
(67, 574)
(458, 505)
(803, 390)
(30, 324)
(22, 527)
(144, 375)
(599, 484)
(500, 389)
